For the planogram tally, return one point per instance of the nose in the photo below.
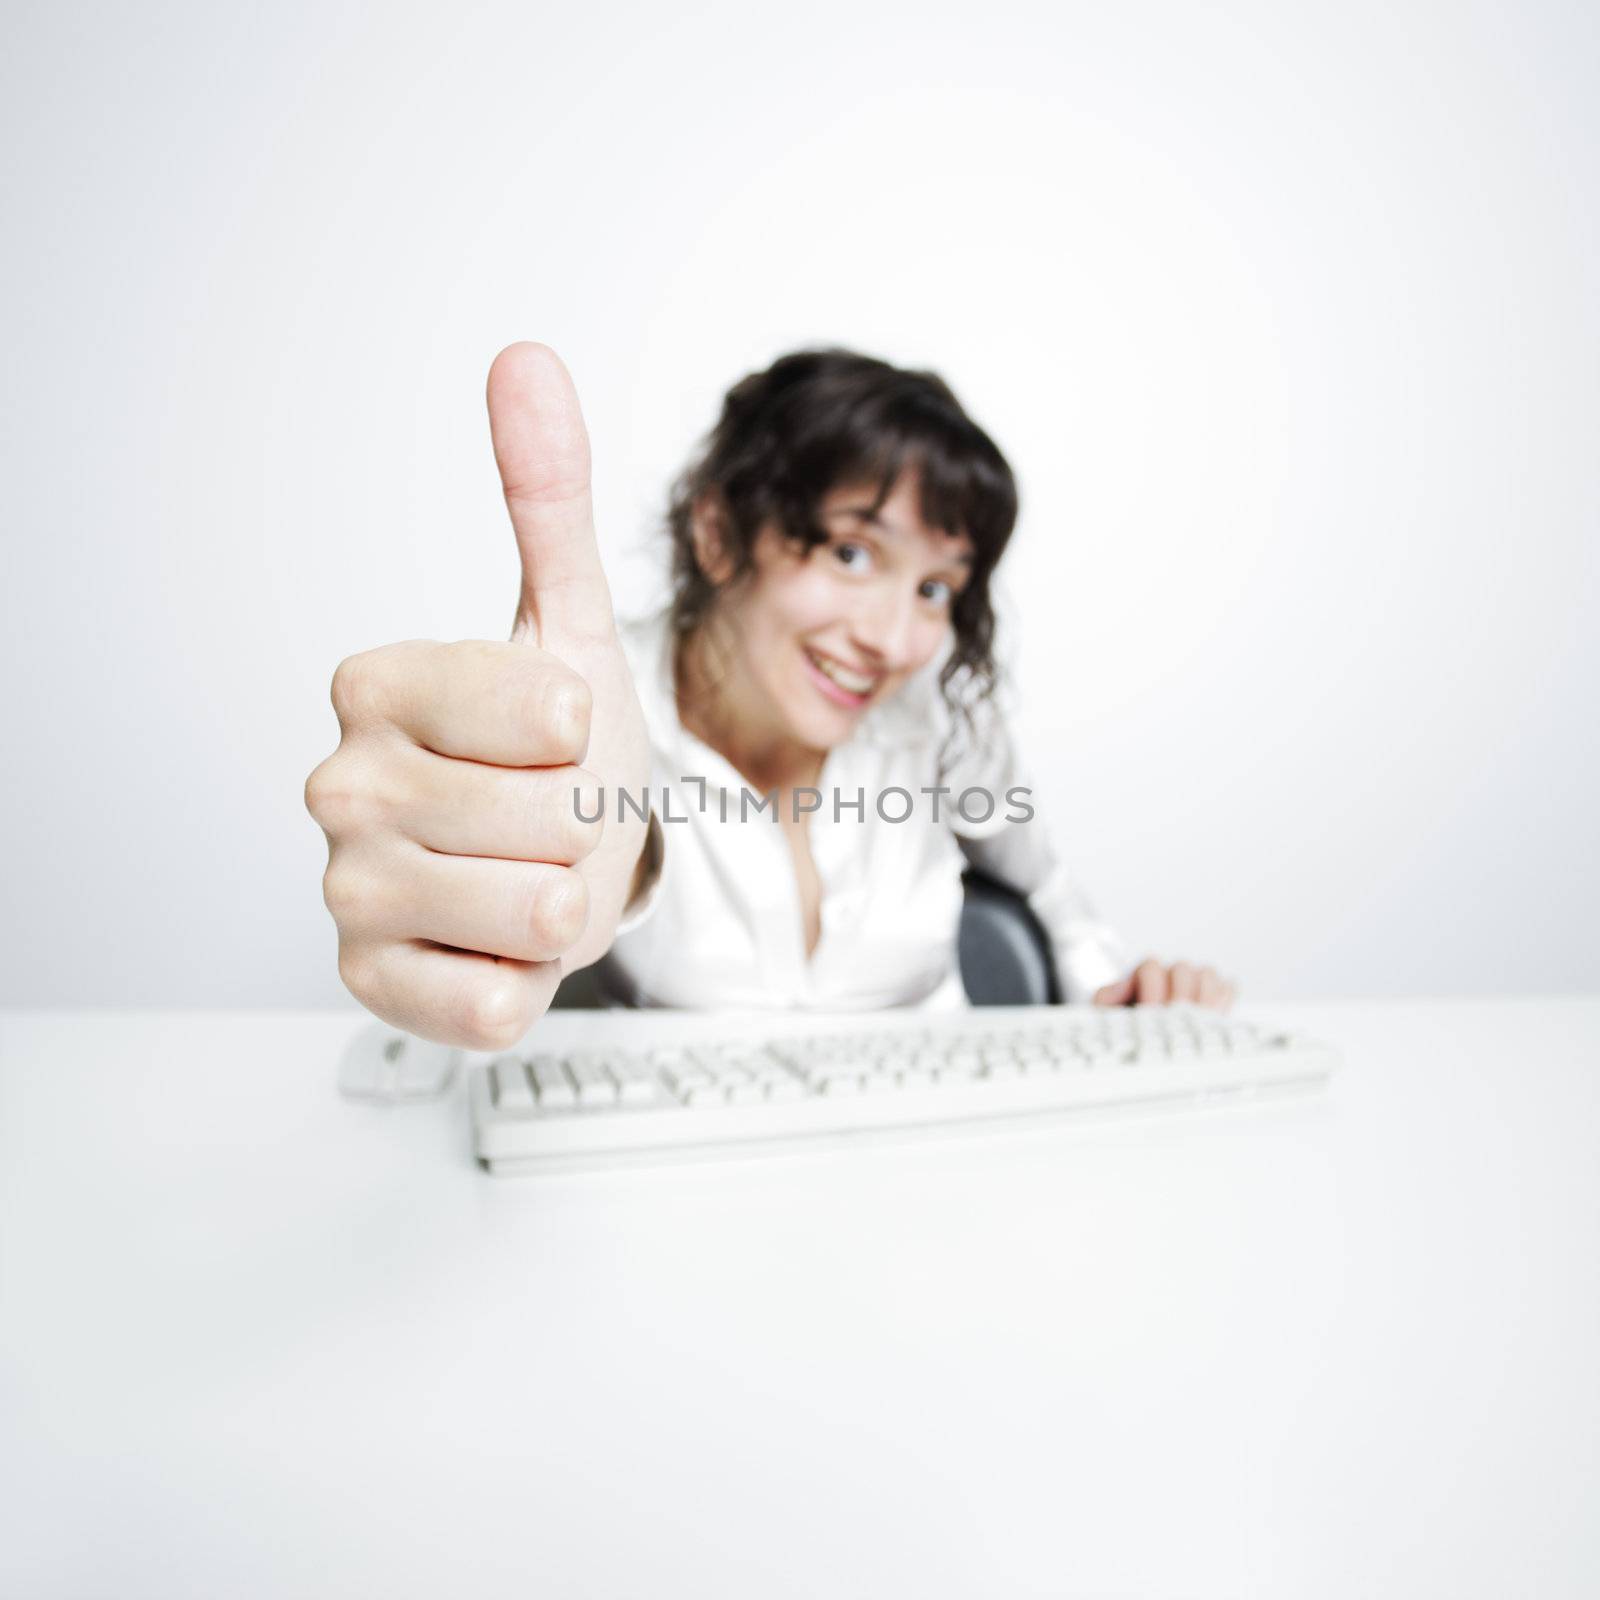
(884, 627)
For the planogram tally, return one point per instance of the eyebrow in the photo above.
(866, 514)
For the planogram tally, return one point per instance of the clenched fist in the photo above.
(462, 881)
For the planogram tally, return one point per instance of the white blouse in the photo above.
(718, 921)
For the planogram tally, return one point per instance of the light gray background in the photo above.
(1285, 315)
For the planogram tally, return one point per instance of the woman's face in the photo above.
(822, 635)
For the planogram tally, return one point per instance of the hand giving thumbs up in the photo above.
(461, 878)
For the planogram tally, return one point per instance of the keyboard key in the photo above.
(638, 1083)
(596, 1087)
(681, 1079)
(556, 1090)
(512, 1090)
(836, 1069)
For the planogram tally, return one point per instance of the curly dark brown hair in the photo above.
(816, 420)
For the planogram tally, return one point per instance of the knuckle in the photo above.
(332, 799)
(347, 894)
(583, 814)
(344, 798)
(560, 910)
(364, 684)
(556, 811)
(354, 691)
(591, 628)
(321, 794)
(564, 706)
(492, 1016)
(544, 698)
(338, 894)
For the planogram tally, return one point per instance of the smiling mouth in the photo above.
(857, 686)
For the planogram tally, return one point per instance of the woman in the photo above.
(828, 647)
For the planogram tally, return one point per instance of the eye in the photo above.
(937, 589)
(857, 557)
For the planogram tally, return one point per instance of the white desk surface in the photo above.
(257, 1341)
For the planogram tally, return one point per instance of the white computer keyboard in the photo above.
(842, 1078)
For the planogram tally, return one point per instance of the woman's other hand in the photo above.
(1152, 983)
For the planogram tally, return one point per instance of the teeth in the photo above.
(851, 681)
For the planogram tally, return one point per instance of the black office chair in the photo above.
(1004, 952)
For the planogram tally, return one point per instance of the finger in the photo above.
(1184, 983)
(476, 699)
(542, 449)
(1210, 988)
(1150, 981)
(455, 997)
(1115, 994)
(1229, 994)
(527, 910)
(466, 808)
